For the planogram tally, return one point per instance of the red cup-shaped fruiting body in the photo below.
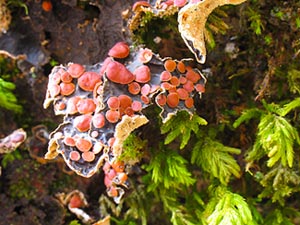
(172, 99)
(200, 88)
(125, 102)
(54, 89)
(69, 141)
(181, 67)
(161, 99)
(180, 3)
(76, 201)
(113, 103)
(120, 50)
(136, 106)
(67, 89)
(88, 80)
(75, 70)
(170, 65)
(83, 145)
(142, 74)
(189, 102)
(86, 106)
(98, 120)
(182, 93)
(83, 122)
(112, 116)
(74, 155)
(134, 88)
(72, 105)
(139, 4)
(118, 166)
(66, 77)
(145, 55)
(165, 76)
(88, 156)
(118, 73)
(192, 75)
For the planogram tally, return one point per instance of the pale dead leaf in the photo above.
(192, 19)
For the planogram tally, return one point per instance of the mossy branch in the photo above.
(183, 124)
(168, 169)
(7, 99)
(216, 159)
(226, 207)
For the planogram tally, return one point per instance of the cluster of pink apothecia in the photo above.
(99, 101)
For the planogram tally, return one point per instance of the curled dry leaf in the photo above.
(192, 19)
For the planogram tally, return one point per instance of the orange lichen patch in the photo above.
(83, 122)
(189, 86)
(139, 4)
(200, 88)
(145, 99)
(161, 99)
(125, 101)
(182, 80)
(192, 75)
(174, 81)
(88, 80)
(113, 103)
(142, 74)
(172, 100)
(88, 156)
(145, 55)
(67, 88)
(136, 106)
(118, 166)
(66, 77)
(189, 102)
(120, 50)
(76, 200)
(47, 5)
(74, 155)
(145, 90)
(170, 65)
(98, 120)
(69, 141)
(134, 88)
(72, 105)
(182, 93)
(75, 70)
(165, 76)
(85, 106)
(118, 73)
(112, 116)
(181, 67)
(54, 89)
(83, 145)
